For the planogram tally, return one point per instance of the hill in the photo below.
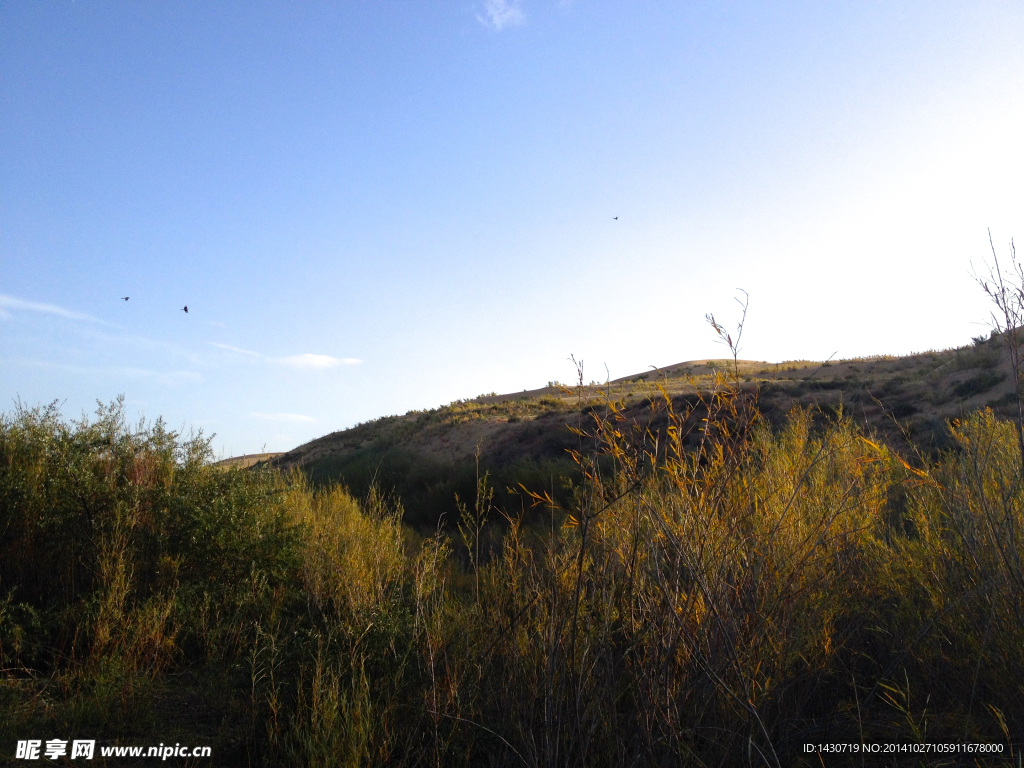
(427, 457)
(245, 460)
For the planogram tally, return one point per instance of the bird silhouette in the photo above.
(616, 218)
(185, 309)
(125, 298)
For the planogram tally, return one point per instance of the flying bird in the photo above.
(616, 218)
(185, 309)
(125, 298)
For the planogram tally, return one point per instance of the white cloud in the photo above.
(9, 302)
(239, 350)
(316, 361)
(289, 417)
(307, 361)
(499, 14)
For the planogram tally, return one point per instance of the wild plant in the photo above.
(1006, 290)
(717, 591)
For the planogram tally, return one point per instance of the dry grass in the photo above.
(716, 591)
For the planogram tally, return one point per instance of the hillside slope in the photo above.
(426, 457)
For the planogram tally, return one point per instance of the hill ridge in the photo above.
(426, 456)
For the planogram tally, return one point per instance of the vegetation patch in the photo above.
(978, 384)
(710, 587)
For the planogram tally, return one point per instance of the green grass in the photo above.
(711, 590)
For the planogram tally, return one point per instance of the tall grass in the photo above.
(718, 593)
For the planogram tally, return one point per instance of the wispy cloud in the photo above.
(10, 303)
(316, 361)
(239, 350)
(288, 417)
(499, 14)
(306, 362)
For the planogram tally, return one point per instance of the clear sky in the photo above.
(371, 207)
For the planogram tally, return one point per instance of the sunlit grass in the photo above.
(717, 592)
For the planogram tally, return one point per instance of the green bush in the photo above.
(709, 591)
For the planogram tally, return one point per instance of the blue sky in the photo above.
(371, 207)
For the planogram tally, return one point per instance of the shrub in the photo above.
(978, 384)
(710, 588)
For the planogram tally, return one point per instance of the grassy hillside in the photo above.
(426, 457)
(246, 460)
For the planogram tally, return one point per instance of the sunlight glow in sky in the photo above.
(379, 206)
